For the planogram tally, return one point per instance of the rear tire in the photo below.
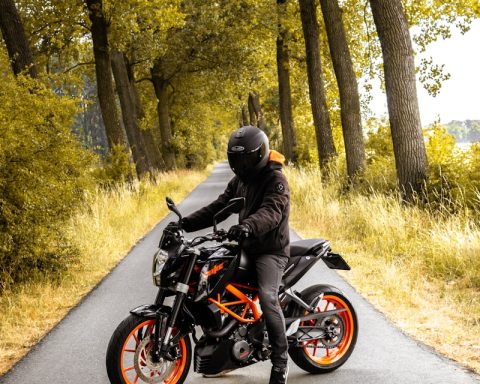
(125, 361)
(313, 357)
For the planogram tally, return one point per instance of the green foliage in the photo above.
(44, 174)
(454, 172)
(117, 168)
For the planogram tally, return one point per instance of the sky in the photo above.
(459, 97)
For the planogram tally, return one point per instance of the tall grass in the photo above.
(103, 232)
(420, 267)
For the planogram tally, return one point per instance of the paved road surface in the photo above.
(74, 352)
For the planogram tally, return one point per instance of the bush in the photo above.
(43, 178)
(454, 180)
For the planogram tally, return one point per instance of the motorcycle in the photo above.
(213, 289)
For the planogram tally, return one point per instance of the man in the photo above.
(263, 227)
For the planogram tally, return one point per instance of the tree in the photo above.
(255, 110)
(400, 84)
(347, 86)
(106, 94)
(153, 153)
(284, 91)
(321, 118)
(129, 112)
(18, 48)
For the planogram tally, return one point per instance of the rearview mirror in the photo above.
(172, 207)
(234, 206)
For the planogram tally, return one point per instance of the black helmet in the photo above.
(248, 151)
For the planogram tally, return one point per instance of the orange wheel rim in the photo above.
(129, 348)
(317, 352)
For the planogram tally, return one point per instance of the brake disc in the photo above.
(146, 369)
(334, 329)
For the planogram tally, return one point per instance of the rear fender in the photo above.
(296, 310)
(335, 261)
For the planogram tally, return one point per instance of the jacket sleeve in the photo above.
(270, 213)
(203, 218)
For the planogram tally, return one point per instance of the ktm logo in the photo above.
(214, 270)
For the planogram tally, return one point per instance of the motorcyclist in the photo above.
(263, 227)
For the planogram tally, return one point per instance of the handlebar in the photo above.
(219, 235)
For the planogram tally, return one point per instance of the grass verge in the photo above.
(103, 232)
(421, 269)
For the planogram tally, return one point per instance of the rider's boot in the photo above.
(278, 375)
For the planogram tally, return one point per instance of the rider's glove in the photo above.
(173, 226)
(239, 232)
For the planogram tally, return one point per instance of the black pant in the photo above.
(269, 274)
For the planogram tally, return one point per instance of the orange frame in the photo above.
(242, 299)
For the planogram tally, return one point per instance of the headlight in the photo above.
(158, 261)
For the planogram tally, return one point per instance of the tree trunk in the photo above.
(257, 117)
(284, 91)
(400, 84)
(151, 148)
(347, 86)
(129, 115)
(106, 94)
(244, 119)
(321, 118)
(251, 111)
(160, 86)
(18, 48)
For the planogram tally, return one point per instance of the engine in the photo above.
(213, 356)
(241, 350)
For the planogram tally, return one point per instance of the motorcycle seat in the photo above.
(306, 247)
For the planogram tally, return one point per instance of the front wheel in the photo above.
(129, 360)
(339, 332)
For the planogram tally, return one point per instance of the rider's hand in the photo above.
(173, 226)
(239, 232)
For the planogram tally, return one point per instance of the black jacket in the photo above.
(266, 211)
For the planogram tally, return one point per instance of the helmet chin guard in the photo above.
(248, 152)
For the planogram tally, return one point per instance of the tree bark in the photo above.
(244, 119)
(129, 114)
(400, 84)
(152, 150)
(251, 111)
(160, 86)
(106, 93)
(347, 86)
(257, 117)
(284, 91)
(18, 48)
(321, 118)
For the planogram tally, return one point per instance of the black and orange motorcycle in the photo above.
(207, 293)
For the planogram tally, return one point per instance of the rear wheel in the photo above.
(339, 332)
(129, 360)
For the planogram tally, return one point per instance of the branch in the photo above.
(370, 55)
(78, 65)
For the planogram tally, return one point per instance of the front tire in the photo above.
(128, 359)
(316, 356)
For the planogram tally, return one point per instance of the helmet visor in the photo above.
(244, 163)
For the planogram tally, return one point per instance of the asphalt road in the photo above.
(74, 352)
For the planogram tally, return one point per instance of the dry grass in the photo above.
(112, 224)
(420, 268)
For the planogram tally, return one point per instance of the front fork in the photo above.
(161, 349)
